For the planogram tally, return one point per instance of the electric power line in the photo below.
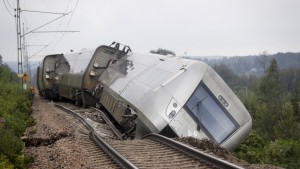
(7, 8)
(46, 23)
(58, 27)
(43, 12)
(66, 26)
(33, 31)
(9, 4)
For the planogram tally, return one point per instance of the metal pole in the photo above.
(26, 60)
(19, 42)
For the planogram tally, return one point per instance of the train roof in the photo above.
(79, 61)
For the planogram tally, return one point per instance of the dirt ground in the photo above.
(52, 140)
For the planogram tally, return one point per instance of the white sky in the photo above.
(197, 27)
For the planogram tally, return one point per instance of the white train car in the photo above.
(172, 96)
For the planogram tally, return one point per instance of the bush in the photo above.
(11, 147)
(14, 119)
(283, 153)
(251, 149)
(4, 163)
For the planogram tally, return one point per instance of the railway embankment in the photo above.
(59, 140)
(53, 141)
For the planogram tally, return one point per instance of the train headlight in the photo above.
(172, 114)
(223, 101)
(96, 65)
(172, 108)
(92, 73)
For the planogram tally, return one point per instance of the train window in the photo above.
(210, 115)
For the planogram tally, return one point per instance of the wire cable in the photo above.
(9, 4)
(53, 37)
(66, 26)
(7, 8)
(61, 21)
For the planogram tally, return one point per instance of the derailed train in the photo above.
(172, 96)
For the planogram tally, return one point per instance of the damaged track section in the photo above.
(121, 160)
(35, 142)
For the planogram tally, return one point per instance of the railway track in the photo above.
(98, 158)
(153, 151)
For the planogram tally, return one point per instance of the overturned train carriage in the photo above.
(48, 72)
(173, 97)
(85, 68)
(149, 93)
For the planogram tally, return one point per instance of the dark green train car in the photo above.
(48, 74)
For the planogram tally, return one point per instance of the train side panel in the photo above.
(102, 57)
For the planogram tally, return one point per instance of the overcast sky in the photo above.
(191, 27)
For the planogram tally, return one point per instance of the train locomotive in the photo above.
(172, 96)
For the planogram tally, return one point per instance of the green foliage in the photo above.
(11, 146)
(6, 75)
(286, 125)
(4, 163)
(163, 52)
(284, 153)
(251, 149)
(14, 119)
(273, 101)
(232, 79)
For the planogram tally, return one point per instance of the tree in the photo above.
(163, 52)
(270, 101)
(264, 59)
(232, 79)
(0, 60)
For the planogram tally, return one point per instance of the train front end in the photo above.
(209, 108)
(48, 73)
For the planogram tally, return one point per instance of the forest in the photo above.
(273, 100)
(15, 108)
(255, 64)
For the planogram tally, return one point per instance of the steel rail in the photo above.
(192, 151)
(120, 159)
(111, 125)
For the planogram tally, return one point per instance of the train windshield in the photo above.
(210, 115)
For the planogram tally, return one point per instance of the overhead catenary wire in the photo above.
(66, 26)
(46, 23)
(53, 37)
(42, 12)
(9, 4)
(58, 28)
(7, 8)
(26, 21)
